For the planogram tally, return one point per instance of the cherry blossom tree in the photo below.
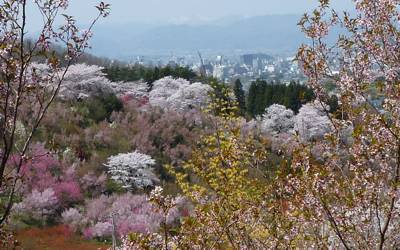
(277, 126)
(312, 122)
(179, 94)
(132, 90)
(132, 170)
(22, 85)
(169, 135)
(351, 200)
(83, 81)
(277, 119)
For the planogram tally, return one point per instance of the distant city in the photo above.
(246, 67)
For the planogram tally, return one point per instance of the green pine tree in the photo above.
(251, 99)
(240, 96)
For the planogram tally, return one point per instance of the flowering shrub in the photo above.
(38, 205)
(45, 171)
(170, 209)
(73, 218)
(48, 187)
(131, 214)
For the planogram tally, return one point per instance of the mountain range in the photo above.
(272, 33)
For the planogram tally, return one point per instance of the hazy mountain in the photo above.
(273, 33)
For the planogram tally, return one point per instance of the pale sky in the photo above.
(182, 11)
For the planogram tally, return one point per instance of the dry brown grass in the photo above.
(54, 238)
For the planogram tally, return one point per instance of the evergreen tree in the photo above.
(148, 74)
(260, 99)
(240, 96)
(262, 95)
(251, 99)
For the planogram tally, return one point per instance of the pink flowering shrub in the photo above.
(44, 171)
(169, 209)
(48, 186)
(100, 229)
(73, 218)
(131, 214)
(38, 204)
(92, 184)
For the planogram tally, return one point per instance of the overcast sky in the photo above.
(182, 11)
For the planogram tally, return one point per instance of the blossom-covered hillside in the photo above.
(137, 156)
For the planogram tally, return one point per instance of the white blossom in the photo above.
(312, 122)
(277, 119)
(178, 94)
(137, 89)
(83, 81)
(132, 170)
